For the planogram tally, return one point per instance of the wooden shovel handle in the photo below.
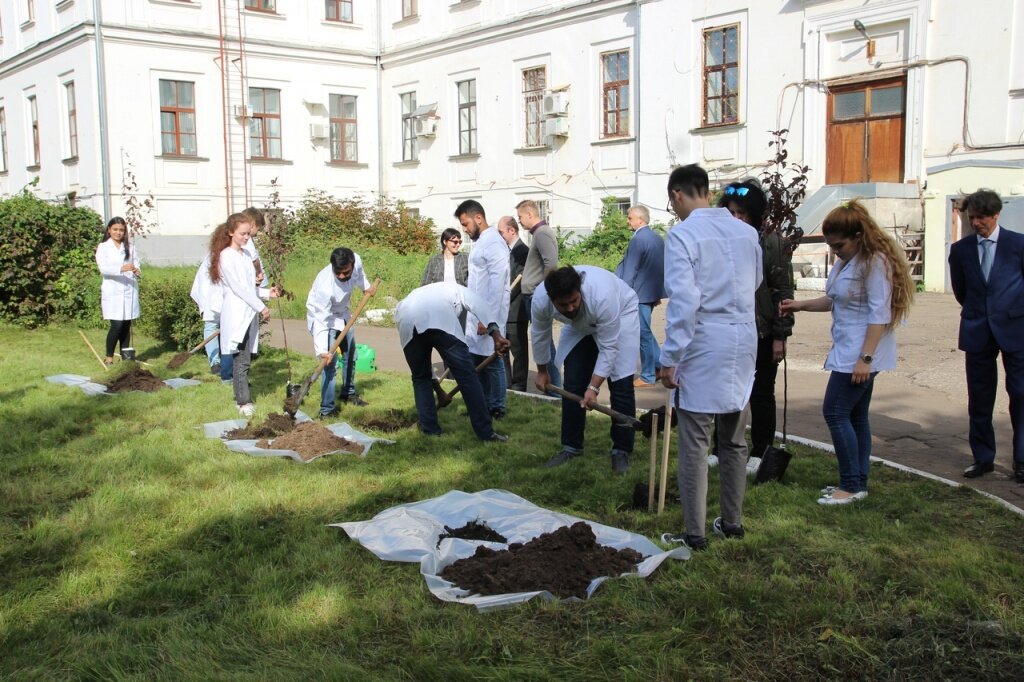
(98, 358)
(205, 341)
(479, 368)
(344, 332)
(618, 416)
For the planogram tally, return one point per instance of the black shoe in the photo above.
(1018, 472)
(497, 438)
(620, 462)
(215, 369)
(978, 469)
(497, 414)
(561, 458)
(727, 530)
(355, 400)
(698, 543)
(328, 415)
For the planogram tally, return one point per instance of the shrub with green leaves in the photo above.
(606, 245)
(325, 219)
(47, 261)
(168, 312)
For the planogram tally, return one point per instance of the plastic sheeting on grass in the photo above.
(409, 532)
(248, 446)
(92, 388)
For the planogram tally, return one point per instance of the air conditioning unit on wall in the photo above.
(556, 104)
(426, 127)
(242, 111)
(319, 131)
(556, 127)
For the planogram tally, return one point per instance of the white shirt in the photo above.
(712, 268)
(242, 300)
(119, 292)
(608, 312)
(206, 293)
(857, 302)
(442, 306)
(449, 269)
(327, 306)
(488, 277)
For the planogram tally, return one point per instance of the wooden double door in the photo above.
(866, 125)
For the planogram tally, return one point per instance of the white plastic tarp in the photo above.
(92, 388)
(409, 532)
(248, 446)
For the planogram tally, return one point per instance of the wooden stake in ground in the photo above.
(181, 358)
(664, 451)
(98, 358)
(652, 479)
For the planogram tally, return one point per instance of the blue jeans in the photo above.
(213, 347)
(554, 373)
(348, 363)
(649, 351)
(455, 354)
(579, 368)
(845, 409)
(492, 380)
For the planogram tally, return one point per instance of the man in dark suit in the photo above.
(517, 330)
(987, 272)
(642, 268)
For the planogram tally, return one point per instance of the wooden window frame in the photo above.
(621, 113)
(262, 117)
(178, 111)
(265, 6)
(338, 141)
(533, 103)
(409, 9)
(721, 69)
(410, 145)
(339, 6)
(69, 91)
(469, 106)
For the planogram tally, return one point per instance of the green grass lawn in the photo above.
(131, 546)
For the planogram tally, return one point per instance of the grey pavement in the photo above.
(918, 411)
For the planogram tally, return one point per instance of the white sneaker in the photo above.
(247, 410)
(712, 461)
(753, 464)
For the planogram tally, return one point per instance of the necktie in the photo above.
(986, 257)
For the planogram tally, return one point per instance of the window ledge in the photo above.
(257, 13)
(193, 4)
(407, 21)
(347, 164)
(270, 162)
(464, 157)
(724, 128)
(463, 4)
(181, 157)
(33, 169)
(540, 149)
(3, 174)
(334, 23)
(28, 24)
(411, 163)
(63, 5)
(612, 140)
(70, 161)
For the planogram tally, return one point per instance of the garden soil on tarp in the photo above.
(310, 440)
(135, 380)
(563, 562)
(274, 425)
(474, 530)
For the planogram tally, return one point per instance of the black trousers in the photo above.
(120, 332)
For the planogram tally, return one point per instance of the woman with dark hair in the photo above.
(747, 202)
(119, 294)
(450, 265)
(242, 306)
(869, 291)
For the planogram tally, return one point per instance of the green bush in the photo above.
(46, 256)
(324, 219)
(168, 313)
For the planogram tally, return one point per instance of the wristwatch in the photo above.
(866, 358)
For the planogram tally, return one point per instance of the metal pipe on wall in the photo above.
(101, 97)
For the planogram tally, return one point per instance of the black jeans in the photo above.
(120, 332)
(762, 401)
(579, 368)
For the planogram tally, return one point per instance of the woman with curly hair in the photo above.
(869, 291)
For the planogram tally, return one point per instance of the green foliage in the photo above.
(785, 186)
(46, 254)
(604, 246)
(168, 313)
(325, 219)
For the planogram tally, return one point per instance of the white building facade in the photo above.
(214, 104)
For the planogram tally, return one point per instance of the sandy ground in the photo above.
(918, 411)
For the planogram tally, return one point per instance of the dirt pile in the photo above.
(391, 420)
(136, 379)
(274, 425)
(563, 562)
(474, 530)
(311, 440)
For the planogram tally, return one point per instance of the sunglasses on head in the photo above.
(738, 191)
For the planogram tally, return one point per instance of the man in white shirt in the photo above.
(327, 313)
(712, 268)
(600, 341)
(488, 277)
(432, 318)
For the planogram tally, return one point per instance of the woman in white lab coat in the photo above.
(119, 293)
(242, 307)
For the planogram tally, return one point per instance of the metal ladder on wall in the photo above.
(232, 64)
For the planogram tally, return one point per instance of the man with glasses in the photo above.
(542, 259)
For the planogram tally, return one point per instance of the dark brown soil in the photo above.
(274, 425)
(391, 420)
(310, 440)
(474, 530)
(563, 562)
(137, 379)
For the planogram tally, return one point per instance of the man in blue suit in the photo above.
(643, 268)
(987, 272)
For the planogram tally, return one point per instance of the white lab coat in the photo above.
(242, 300)
(712, 268)
(488, 278)
(327, 305)
(119, 293)
(254, 255)
(608, 312)
(207, 294)
(441, 305)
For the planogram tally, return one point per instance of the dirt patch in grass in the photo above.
(563, 562)
(391, 420)
(474, 530)
(274, 425)
(136, 379)
(310, 440)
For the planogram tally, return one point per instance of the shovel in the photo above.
(291, 405)
(98, 358)
(181, 358)
(617, 417)
(447, 399)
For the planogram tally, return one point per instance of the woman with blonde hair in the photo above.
(869, 291)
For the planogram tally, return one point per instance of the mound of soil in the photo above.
(136, 379)
(310, 440)
(274, 425)
(391, 420)
(563, 562)
(473, 530)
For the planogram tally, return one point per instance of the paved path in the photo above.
(918, 412)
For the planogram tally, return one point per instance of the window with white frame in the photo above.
(467, 116)
(721, 76)
(408, 8)
(265, 123)
(69, 91)
(33, 117)
(343, 128)
(621, 204)
(534, 82)
(615, 94)
(30, 10)
(3, 139)
(177, 118)
(410, 151)
(338, 10)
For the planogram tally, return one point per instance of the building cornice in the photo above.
(55, 44)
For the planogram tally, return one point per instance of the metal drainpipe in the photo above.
(380, 111)
(101, 96)
(636, 99)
